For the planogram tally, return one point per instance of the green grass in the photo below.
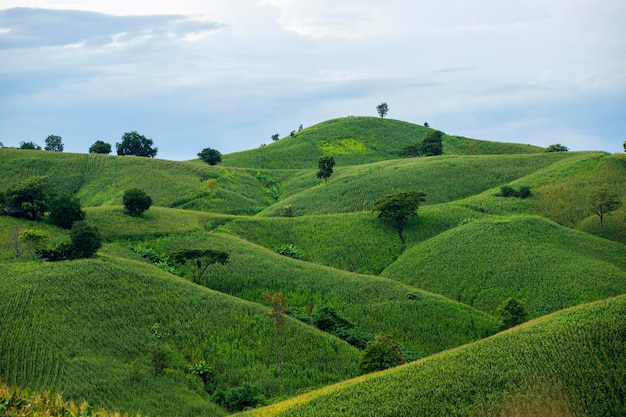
(545, 266)
(567, 364)
(427, 324)
(458, 145)
(84, 328)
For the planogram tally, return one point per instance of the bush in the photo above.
(65, 210)
(136, 201)
(85, 242)
(100, 147)
(511, 313)
(383, 353)
(290, 250)
(203, 370)
(237, 399)
(523, 192)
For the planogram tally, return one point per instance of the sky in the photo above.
(228, 74)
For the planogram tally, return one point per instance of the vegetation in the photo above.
(65, 209)
(100, 147)
(136, 201)
(197, 261)
(279, 305)
(135, 144)
(399, 207)
(382, 109)
(602, 203)
(511, 313)
(30, 145)
(31, 197)
(325, 167)
(54, 143)
(557, 147)
(382, 353)
(210, 156)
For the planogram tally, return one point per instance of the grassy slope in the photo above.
(567, 364)
(429, 324)
(544, 265)
(84, 327)
(355, 140)
(443, 179)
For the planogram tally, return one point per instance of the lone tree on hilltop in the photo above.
(197, 261)
(275, 137)
(602, 203)
(325, 167)
(100, 147)
(398, 207)
(135, 144)
(280, 307)
(210, 156)
(557, 147)
(382, 109)
(54, 143)
(136, 201)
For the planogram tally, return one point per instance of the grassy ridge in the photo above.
(458, 145)
(567, 364)
(443, 179)
(86, 328)
(427, 323)
(544, 265)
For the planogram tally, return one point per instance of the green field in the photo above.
(125, 333)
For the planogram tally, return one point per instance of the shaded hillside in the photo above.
(92, 328)
(567, 364)
(425, 322)
(443, 179)
(353, 141)
(545, 266)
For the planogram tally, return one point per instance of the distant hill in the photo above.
(357, 140)
(567, 364)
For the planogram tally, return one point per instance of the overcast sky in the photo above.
(227, 74)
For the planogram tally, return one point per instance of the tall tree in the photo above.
(280, 307)
(432, 144)
(197, 261)
(602, 203)
(325, 167)
(382, 109)
(100, 147)
(135, 144)
(54, 143)
(398, 207)
(30, 197)
(210, 156)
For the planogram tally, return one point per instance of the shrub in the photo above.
(100, 147)
(383, 353)
(511, 313)
(290, 250)
(237, 399)
(507, 191)
(86, 240)
(136, 201)
(65, 210)
(203, 370)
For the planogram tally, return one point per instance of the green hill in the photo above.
(357, 140)
(545, 266)
(567, 364)
(93, 329)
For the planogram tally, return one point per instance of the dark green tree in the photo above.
(382, 353)
(210, 156)
(280, 307)
(30, 145)
(325, 167)
(602, 203)
(30, 198)
(65, 209)
(136, 201)
(275, 137)
(54, 143)
(399, 207)
(86, 240)
(100, 147)
(382, 109)
(135, 144)
(197, 261)
(411, 151)
(432, 144)
(557, 147)
(511, 313)
(625, 146)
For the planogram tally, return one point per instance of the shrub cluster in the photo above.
(522, 192)
(290, 250)
(84, 242)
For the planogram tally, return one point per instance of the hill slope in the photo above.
(545, 266)
(567, 364)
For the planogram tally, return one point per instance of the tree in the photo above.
(54, 143)
(382, 109)
(30, 197)
(275, 137)
(625, 146)
(432, 144)
(136, 201)
(198, 260)
(86, 240)
(602, 203)
(426, 124)
(511, 313)
(557, 147)
(277, 313)
(135, 144)
(29, 145)
(65, 210)
(210, 156)
(398, 207)
(100, 147)
(382, 353)
(34, 240)
(325, 167)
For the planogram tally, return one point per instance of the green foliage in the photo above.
(100, 147)
(237, 399)
(136, 201)
(65, 209)
(603, 202)
(511, 313)
(382, 109)
(197, 261)
(210, 156)
(432, 144)
(30, 145)
(135, 144)
(399, 207)
(275, 137)
(557, 147)
(86, 240)
(54, 143)
(382, 353)
(203, 370)
(290, 250)
(31, 197)
(34, 240)
(325, 167)
(522, 192)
